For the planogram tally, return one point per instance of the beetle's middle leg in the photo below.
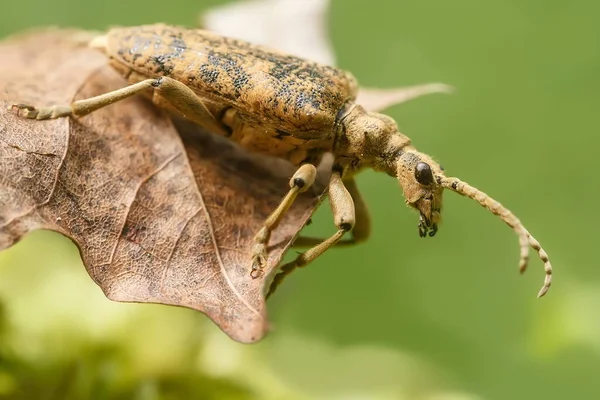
(300, 182)
(344, 218)
(362, 224)
(176, 94)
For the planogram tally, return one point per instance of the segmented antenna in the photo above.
(525, 238)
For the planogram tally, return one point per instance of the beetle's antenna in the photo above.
(525, 238)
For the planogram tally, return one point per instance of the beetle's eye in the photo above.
(423, 174)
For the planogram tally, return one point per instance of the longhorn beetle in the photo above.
(288, 107)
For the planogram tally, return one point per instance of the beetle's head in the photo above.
(373, 140)
(420, 178)
(423, 182)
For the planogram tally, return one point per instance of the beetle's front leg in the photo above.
(176, 94)
(344, 218)
(300, 182)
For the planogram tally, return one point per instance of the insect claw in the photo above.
(255, 273)
(259, 261)
(433, 230)
(422, 230)
(17, 108)
(426, 228)
(25, 111)
(22, 106)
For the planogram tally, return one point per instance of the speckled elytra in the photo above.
(284, 106)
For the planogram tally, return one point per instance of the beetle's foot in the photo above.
(24, 110)
(31, 112)
(259, 260)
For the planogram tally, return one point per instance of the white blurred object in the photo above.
(295, 26)
(299, 27)
(380, 99)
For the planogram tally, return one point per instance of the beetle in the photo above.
(288, 107)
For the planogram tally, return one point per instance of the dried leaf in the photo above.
(156, 220)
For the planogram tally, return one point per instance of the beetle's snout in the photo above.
(428, 218)
(419, 175)
(425, 230)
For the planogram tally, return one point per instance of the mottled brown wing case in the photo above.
(280, 91)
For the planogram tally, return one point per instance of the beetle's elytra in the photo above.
(288, 107)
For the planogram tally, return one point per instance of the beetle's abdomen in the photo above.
(277, 90)
(257, 139)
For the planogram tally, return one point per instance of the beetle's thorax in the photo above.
(368, 139)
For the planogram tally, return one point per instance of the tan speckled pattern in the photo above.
(282, 96)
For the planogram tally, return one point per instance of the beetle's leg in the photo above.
(83, 107)
(178, 95)
(300, 182)
(362, 225)
(186, 101)
(344, 217)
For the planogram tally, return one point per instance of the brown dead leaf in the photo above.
(155, 220)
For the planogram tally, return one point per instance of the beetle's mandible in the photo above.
(284, 106)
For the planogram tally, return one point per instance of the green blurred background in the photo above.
(399, 317)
